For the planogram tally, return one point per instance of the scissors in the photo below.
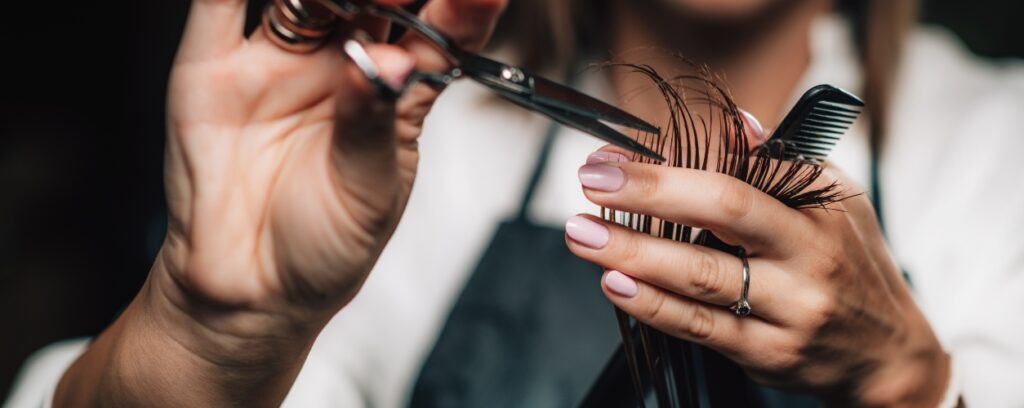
(294, 24)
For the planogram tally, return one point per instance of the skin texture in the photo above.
(831, 314)
(285, 177)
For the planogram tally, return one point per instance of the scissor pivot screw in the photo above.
(513, 74)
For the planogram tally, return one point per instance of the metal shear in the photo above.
(294, 25)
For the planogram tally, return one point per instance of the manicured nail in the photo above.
(605, 157)
(396, 70)
(587, 232)
(602, 177)
(620, 284)
(753, 126)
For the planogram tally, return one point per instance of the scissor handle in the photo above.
(406, 19)
(348, 9)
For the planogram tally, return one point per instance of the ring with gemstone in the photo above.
(742, 306)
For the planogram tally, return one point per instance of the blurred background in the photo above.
(81, 148)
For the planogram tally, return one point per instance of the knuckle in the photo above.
(820, 309)
(706, 270)
(831, 256)
(783, 355)
(630, 251)
(700, 325)
(786, 359)
(645, 181)
(735, 198)
(655, 307)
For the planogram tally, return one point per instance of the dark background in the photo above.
(81, 141)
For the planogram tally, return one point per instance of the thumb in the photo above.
(364, 153)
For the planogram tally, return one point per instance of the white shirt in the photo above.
(953, 201)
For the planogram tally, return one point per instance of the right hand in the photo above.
(285, 177)
(285, 174)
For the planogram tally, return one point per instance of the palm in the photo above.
(254, 192)
(285, 176)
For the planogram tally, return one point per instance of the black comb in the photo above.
(812, 128)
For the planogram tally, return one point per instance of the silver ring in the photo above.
(742, 306)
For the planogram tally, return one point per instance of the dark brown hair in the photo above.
(705, 131)
(547, 33)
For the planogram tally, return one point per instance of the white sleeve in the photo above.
(956, 216)
(985, 295)
(323, 383)
(37, 381)
(318, 384)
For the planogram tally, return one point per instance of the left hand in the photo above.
(831, 314)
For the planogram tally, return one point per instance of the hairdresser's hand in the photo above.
(831, 313)
(285, 177)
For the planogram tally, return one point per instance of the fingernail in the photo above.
(396, 72)
(752, 125)
(605, 157)
(620, 284)
(602, 177)
(587, 232)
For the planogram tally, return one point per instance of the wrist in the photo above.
(246, 336)
(920, 381)
(157, 353)
(915, 373)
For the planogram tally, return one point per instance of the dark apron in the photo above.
(532, 329)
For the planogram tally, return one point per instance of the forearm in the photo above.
(146, 358)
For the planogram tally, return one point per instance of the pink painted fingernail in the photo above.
(395, 70)
(602, 177)
(753, 126)
(587, 232)
(605, 157)
(620, 284)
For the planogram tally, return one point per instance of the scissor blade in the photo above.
(562, 97)
(587, 125)
(541, 91)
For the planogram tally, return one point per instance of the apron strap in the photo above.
(876, 191)
(538, 171)
(545, 153)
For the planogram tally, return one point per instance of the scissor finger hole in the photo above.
(355, 50)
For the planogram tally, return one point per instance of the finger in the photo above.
(735, 211)
(697, 272)
(378, 27)
(214, 27)
(610, 153)
(756, 135)
(713, 326)
(856, 212)
(468, 23)
(364, 138)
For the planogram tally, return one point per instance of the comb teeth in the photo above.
(813, 127)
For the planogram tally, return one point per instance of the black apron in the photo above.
(532, 328)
